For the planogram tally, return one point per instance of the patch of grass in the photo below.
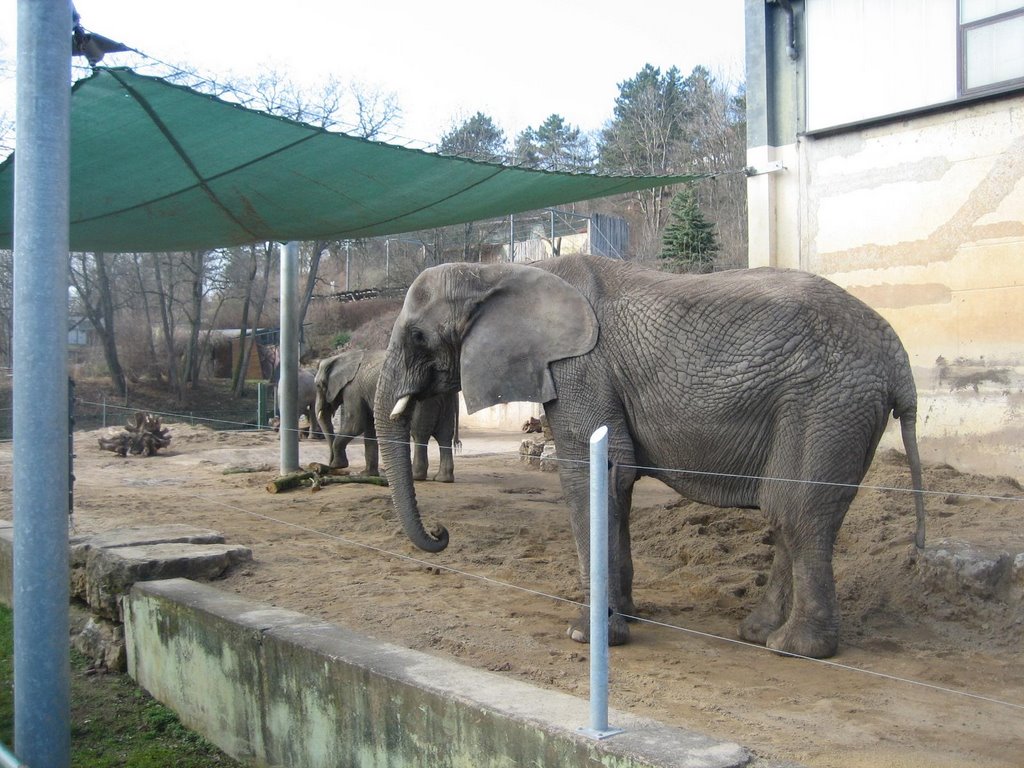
(114, 723)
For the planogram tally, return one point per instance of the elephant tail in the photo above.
(905, 410)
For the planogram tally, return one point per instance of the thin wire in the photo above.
(698, 633)
(537, 593)
(647, 470)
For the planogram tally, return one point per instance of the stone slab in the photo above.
(110, 573)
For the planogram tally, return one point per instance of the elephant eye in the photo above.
(418, 338)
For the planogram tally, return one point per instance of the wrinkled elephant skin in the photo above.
(348, 382)
(755, 388)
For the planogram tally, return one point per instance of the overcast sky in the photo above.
(517, 62)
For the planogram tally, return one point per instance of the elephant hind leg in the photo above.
(771, 612)
(806, 538)
(446, 464)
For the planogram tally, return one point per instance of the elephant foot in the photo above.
(419, 475)
(767, 617)
(443, 478)
(804, 640)
(618, 630)
(757, 628)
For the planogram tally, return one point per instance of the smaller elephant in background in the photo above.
(348, 381)
(305, 400)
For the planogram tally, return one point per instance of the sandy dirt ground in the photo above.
(924, 677)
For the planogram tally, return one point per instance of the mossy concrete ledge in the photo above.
(276, 688)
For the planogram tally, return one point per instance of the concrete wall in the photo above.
(924, 220)
(506, 417)
(919, 214)
(276, 688)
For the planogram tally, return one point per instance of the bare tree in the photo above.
(90, 276)
(260, 259)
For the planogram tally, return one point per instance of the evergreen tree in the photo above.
(477, 138)
(689, 243)
(555, 146)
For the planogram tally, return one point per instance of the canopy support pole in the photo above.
(288, 349)
(42, 671)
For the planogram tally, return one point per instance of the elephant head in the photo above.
(489, 330)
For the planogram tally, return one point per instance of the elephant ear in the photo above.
(528, 319)
(340, 370)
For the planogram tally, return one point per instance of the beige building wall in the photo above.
(924, 220)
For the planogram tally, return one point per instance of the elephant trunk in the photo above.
(393, 440)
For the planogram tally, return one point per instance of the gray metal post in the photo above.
(599, 587)
(42, 673)
(288, 346)
(261, 404)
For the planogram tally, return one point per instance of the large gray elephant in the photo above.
(752, 388)
(349, 381)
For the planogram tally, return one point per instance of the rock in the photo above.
(102, 641)
(548, 458)
(955, 566)
(530, 450)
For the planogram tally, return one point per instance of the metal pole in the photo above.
(42, 673)
(348, 263)
(261, 406)
(599, 587)
(288, 345)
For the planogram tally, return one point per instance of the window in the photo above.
(990, 45)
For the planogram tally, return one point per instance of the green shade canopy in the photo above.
(160, 167)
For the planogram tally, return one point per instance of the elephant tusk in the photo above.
(400, 406)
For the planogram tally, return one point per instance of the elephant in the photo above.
(305, 399)
(305, 388)
(753, 388)
(349, 381)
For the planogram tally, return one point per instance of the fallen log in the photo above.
(306, 479)
(326, 469)
(142, 435)
(291, 480)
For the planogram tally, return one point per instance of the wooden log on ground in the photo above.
(291, 480)
(305, 479)
(326, 469)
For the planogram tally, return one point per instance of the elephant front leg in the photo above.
(419, 459)
(371, 453)
(348, 429)
(576, 487)
(339, 459)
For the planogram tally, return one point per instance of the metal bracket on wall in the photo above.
(773, 167)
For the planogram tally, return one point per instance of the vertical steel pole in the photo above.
(42, 674)
(599, 587)
(288, 345)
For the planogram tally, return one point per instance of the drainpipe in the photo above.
(787, 8)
